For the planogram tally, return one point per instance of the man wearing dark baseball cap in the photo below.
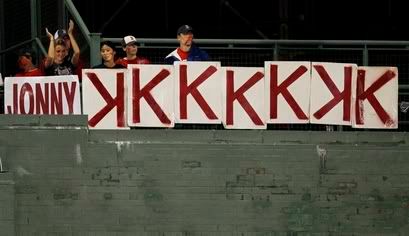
(185, 29)
(25, 63)
(187, 50)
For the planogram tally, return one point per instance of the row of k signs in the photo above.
(207, 93)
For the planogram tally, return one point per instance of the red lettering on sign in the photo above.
(139, 93)
(338, 96)
(362, 94)
(276, 89)
(56, 99)
(26, 89)
(70, 95)
(238, 95)
(42, 102)
(192, 89)
(111, 103)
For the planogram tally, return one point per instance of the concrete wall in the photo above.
(64, 179)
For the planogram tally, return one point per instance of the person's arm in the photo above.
(76, 55)
(49, 60)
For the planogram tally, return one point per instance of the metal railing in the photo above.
(37, 41)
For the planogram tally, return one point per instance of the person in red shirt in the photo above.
(26, 65)
(131, 50)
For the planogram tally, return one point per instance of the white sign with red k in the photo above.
(241, 97)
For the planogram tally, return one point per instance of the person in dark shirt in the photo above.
(57, 61)
(107, 50)
(62, 34)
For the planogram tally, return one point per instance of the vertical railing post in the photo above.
(62, 15)
(78, 20)
(365, 56)
(35, 25)
(275, 55)
(95, 57)
(34, 18)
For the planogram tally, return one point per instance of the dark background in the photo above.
(211, 19)
(281, 19)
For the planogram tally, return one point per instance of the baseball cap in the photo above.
(127, 40)
(61, 33)
(184, 29)
(25, 52)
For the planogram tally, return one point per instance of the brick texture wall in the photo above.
(64, 179)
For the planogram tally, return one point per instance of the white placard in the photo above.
(198, 92)
(48, 95)
(331, 93)
(287, 89)
(243, 98)
(375, 103)
(104, 98)
(150, 95)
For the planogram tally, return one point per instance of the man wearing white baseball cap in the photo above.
(129, 45)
